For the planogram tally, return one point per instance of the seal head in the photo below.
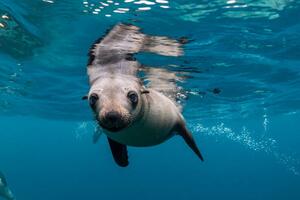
(116, 102)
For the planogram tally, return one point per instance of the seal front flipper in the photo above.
(119, 152)
(188, 138)
(97, 134)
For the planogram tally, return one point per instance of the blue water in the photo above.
(249, 132)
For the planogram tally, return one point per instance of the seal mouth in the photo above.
(112, 128)
(115, 126)
(113, 121)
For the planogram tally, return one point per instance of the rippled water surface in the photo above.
(240, 80)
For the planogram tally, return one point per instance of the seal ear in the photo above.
(144, 91)
(188, 138)
(84, 97)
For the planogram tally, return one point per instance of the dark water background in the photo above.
(249, 132)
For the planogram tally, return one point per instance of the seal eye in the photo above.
(93, 99)
(133, 97)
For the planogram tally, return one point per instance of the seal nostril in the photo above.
(112, 116)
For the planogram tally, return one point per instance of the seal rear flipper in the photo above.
(119, 152)
(188, 138)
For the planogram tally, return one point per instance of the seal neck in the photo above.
(145, 107)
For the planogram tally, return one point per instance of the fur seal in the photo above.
(129, 113)
(5, 192)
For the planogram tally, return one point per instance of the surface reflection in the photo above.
(245, 9)
(109, 8)
(15, 38)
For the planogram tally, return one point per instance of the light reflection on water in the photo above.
(245, 9)
(110, 8)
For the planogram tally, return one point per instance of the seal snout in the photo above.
(112, 117)
(113, 121)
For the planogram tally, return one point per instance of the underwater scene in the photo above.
(231, 67)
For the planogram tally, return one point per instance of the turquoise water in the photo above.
(248, 131)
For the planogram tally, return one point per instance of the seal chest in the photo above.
(129, 113)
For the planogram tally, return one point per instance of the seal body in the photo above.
(130, 113)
